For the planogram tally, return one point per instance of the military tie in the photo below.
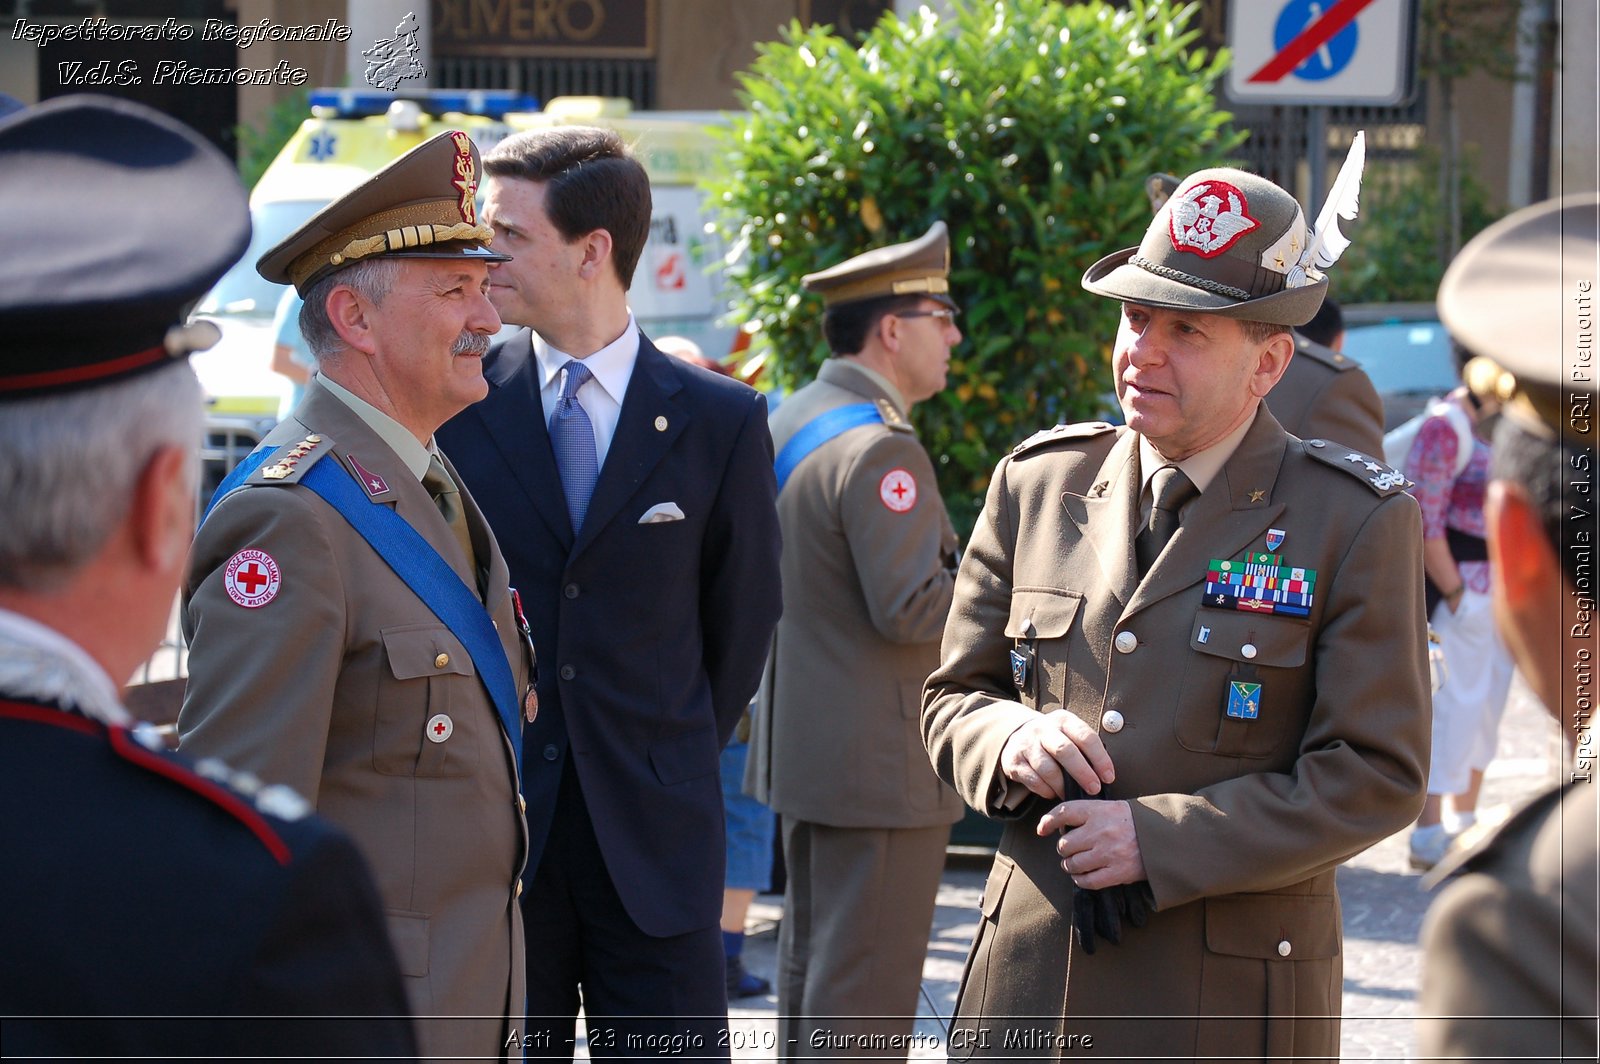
(1171, 490)
(572, 436)
(447, 497)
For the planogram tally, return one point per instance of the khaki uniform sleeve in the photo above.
(969, 706)
(905, 561)
(261, 681)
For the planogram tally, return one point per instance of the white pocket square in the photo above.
(661, 512)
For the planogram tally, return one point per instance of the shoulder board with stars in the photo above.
(892, 418)
(1383, 479)
(1078, 430)
(289, 463)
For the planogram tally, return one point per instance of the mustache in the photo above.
(471, 343)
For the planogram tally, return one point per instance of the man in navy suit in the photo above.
(633, 495)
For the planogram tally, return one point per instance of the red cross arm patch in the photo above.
(898, 490)
(252, 578)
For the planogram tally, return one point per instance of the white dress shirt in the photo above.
(611, 368)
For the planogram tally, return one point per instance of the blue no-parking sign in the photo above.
(1321, 51)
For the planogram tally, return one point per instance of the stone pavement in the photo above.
(1383, 910)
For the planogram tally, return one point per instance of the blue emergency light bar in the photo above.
(366, 103)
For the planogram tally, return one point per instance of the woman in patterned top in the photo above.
(1449, 461)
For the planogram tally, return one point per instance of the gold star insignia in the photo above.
(1257, 496)
(1279, 260)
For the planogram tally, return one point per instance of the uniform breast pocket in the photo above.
(1245, 691)
(1038, 624)
(429, 716)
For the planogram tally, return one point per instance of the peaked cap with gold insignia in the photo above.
(917, 267)
(421, 206)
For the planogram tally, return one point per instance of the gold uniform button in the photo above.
(1284, 948)
(441, 661)
(522, 804)
(518, 892)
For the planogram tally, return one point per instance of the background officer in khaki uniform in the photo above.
(1510, 954)
(1324, 394)
(313, 663)
(868, 571)
(1215, 631)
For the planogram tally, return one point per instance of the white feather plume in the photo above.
(1327, 243)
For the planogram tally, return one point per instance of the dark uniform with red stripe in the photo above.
(147, 905)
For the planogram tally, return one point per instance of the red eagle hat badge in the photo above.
(1206, 219)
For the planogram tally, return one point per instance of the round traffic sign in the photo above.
(1331, 56)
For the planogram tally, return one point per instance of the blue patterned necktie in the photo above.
(572, 436)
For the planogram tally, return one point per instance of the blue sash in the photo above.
(415, 562)
(818, 431)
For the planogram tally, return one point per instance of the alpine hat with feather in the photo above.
(1226, 242)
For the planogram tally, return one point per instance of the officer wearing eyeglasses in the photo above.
(869, 568)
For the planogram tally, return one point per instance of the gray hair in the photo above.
(372, 278)
(69, 463)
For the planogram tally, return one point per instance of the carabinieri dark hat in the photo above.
(120, 218)
(421, 206)
(1227, 242)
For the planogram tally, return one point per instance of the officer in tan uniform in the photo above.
(314, 663)
(869, 567)
(1324, 394)
(1207, 637)
(1511, 948)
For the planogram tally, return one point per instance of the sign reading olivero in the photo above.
(614, 29)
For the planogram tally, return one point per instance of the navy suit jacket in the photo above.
(651, 638)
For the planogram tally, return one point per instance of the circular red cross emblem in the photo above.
(898, 490)
(252, 578)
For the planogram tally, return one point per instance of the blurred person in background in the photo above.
(1449, 465)
(1511, 946)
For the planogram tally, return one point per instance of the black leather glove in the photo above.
(1095, 915)
(1101, 913)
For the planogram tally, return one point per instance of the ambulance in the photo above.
(353, 133)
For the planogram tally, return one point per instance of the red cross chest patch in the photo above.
(898, 490)
(252, 578)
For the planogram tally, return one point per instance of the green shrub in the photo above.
(259, 145)
(1397, 252)
(1029, 127)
